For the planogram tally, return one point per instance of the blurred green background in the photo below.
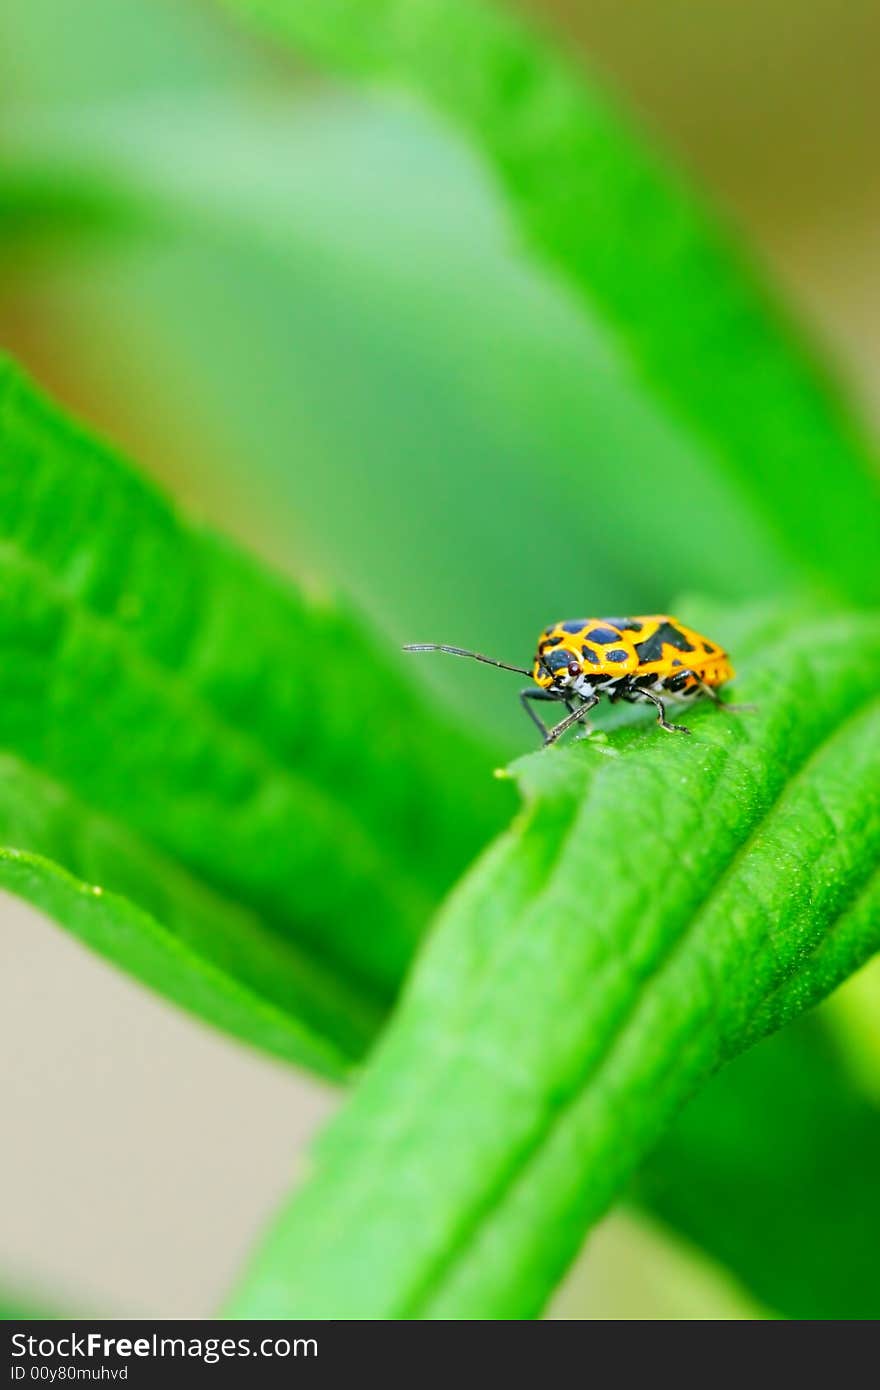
(188, 211)
(305, 309)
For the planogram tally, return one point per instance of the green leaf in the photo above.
(182, 730)
(634, 246)
(197, 950)
(659, 904)
(773, 1169)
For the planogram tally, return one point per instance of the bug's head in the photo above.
(557, 669)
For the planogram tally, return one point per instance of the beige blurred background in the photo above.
(142, 1153)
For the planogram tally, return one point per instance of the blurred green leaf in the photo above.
(773, 1168)
(659, 903)
(635, 247)
(184, 730)
(853, 1018)
(194, 948)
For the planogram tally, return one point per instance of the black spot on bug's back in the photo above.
(625, 624)
(574, 625)
(550, 642)
(676, 662)
(618, 655)
(652, 647)
(603, 636)
(558, 661)
(707, 647)
(590, 656)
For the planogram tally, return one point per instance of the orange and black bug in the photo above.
(632, 659)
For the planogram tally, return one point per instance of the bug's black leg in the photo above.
(553, 734)
(661, 714)
(536, 693)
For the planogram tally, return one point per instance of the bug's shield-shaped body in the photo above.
(620, 657)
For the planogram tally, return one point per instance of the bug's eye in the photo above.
(574, 668)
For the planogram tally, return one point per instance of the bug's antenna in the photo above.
(459, 651)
